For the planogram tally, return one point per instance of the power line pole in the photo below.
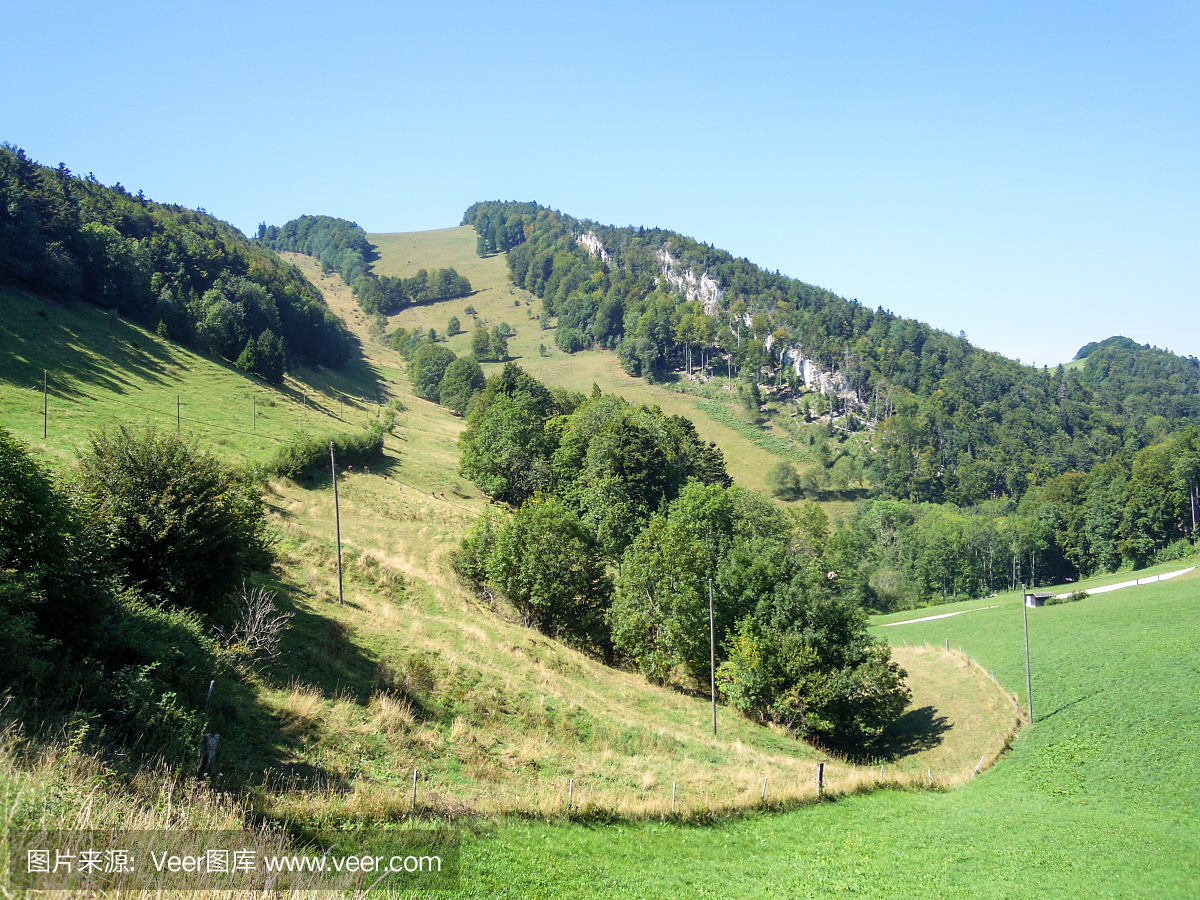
(1028, 677)
(46, 412)
(337, 518)
(712, 655)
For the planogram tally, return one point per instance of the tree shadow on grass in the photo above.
(916, 731)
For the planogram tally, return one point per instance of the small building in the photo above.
(1037, 599)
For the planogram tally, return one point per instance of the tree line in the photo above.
(342, 247)
(616, 517)
(182, 272)
(955, 423)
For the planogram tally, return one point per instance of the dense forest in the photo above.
(954, 423)
(342, 247)
(985, 472)
(192, 277)
(619, 517)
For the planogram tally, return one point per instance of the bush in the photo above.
(551, 570)
(785, 482)
(428, 366)
(47, 576)
(307, 453)
(461, 383)
(174, 520)
(1180, 549)
(811, 666)
(570, 340)
(1073, 597)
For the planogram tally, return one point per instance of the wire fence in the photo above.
(178, 417)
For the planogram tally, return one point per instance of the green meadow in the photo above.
(1097, 799)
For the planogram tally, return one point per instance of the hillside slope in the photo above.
(751, 449)
(496, 717)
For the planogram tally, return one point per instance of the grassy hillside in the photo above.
(1097, 799)
(496, 300)
(498, 717)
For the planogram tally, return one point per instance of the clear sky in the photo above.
(1029, 174)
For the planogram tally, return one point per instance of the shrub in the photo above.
(460, 384)
(551, 570)
(428, 366)
(174, 520)
(47, 579)
(570, 340)
(785, 482)
(307, 453)
(1073, 597)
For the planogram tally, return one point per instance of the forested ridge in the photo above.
(342, 247)
(192, 277)
(983, 472)
(955, 423)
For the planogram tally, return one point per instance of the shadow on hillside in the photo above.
(83, 347)
(76, 342)
(263, 744)
(917, 730)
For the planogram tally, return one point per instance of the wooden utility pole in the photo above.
(337, 518)
(712, 655)
(46, 416)
(1028, 676)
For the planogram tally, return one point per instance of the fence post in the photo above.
(570, 793)
(672, 796)
(820, 778)
(764, 790)
(414, 792)
(45, 403)
(337, 518)
(980, 763)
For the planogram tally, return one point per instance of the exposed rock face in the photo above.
(704, 288)
(817, 377)
(591, 243)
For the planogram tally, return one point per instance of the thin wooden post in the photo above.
(764, 790)
(929, 772)
(46, 406)
(1028, 674)
(712, 655)
(253, 413)
(947, 645)
(337, 518)
(413, 805)
(177, 414)
(820, 778)
(672, 796)
(980, 763)
(570, 793)
(881, 773)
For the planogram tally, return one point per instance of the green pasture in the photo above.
(1097, 799)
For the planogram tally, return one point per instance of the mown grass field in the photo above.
(508, 716)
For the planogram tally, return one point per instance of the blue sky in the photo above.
(1025, 173)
